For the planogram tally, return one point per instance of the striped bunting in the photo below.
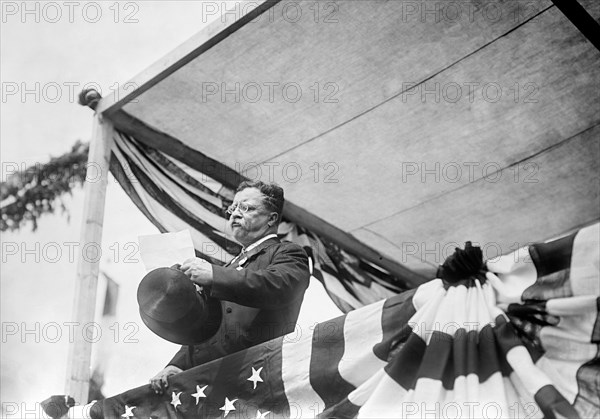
(558, 312)
(441, 350)
(175, 197)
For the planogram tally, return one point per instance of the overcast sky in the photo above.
(50, 51)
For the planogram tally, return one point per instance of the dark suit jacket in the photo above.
(259, 302)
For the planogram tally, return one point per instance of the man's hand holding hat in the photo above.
(198, 270)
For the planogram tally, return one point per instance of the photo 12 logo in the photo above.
(435, 253)
(54, 91)
(269, 91)
(69, 11)
(70, 252)
(468, 171)
(448, 11)
(290, 172)
(468, 91)
(289, 11)
(453, 409)
(55, 332)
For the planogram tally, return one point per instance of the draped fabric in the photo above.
(175, 197)
(521, 342)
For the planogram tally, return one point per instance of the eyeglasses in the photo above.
(242, 206)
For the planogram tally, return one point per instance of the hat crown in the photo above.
(167, 294)
(172, 308)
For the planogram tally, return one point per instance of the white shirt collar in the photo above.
(259, 241)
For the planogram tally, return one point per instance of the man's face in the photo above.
(253, 224)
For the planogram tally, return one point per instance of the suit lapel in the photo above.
(251, 254)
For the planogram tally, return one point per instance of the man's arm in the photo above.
(180, 362)
(181, 358)
(283, 281)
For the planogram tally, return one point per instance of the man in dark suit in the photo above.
(261, 290)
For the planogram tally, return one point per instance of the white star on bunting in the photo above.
(175, 400)
(128, 412)
(228, 406)
(256, 376)
(199, 393)
(261, 415)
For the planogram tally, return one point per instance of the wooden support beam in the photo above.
(78, 367)
(582, 20)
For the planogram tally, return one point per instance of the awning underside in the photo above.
(496, 142)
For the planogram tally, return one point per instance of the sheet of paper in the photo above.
(165, 250)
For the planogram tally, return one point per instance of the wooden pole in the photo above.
(80, 350)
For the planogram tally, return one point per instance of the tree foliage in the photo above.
(27, 194)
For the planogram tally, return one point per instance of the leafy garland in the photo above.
(26, 195)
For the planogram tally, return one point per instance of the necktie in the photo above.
(240, 259)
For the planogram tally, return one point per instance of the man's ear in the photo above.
(273, 218)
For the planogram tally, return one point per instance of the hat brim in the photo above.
(190, 330)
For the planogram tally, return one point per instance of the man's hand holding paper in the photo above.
(198, 270)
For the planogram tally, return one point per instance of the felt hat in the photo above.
(172, 308)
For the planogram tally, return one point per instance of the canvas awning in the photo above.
(497, 142)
